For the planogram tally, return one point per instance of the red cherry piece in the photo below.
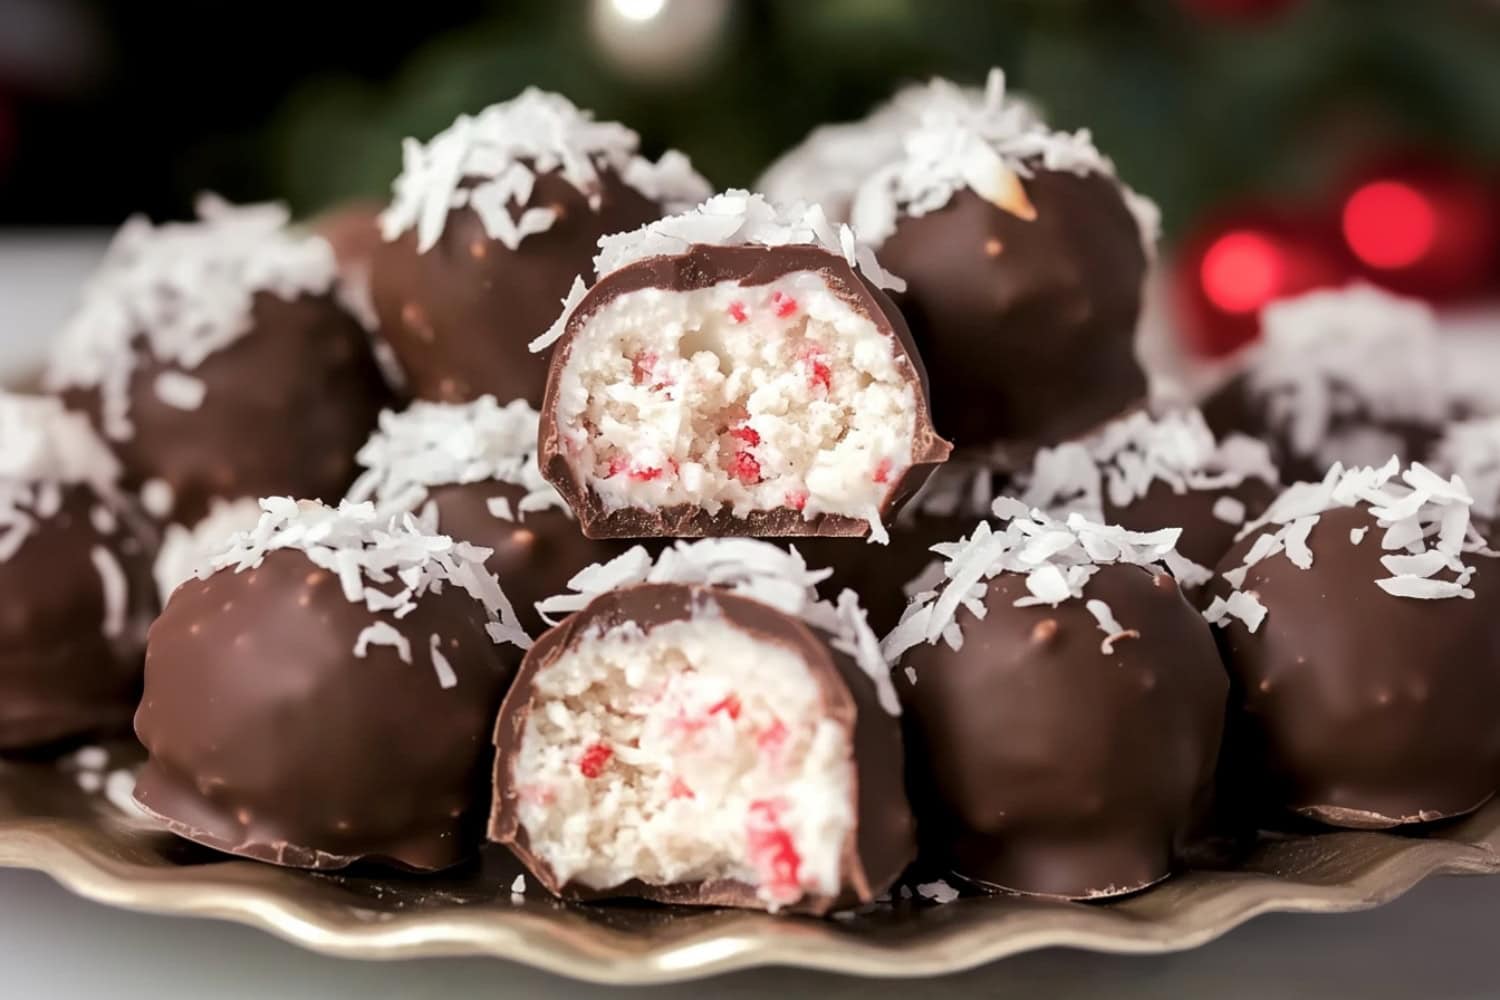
(796, 500)
(772, 850)
(883, 470)
(729, 705)
(737, 312)
(591, 764)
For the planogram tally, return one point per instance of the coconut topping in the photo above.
(1425, 519)
(734, 218)
(751, 568)
(1471, 451)
(988, 149)
(1356, 351)
(438, 444)
(828, 166)
(386, 564)
(1057, 558)
(43, 447)
(503, 150)
(181, 291)
(1123, 461)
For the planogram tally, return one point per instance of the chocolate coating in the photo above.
(534, 557)
(1039, 764)
(60, 676)
(1357, 708)
(459, 316)
(286, 407)
(704, 266)
(881, 844)
(1028, 327)
(269, 739)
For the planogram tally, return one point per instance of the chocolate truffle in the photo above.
(470, 471)
(1358, 624)
(703, 730)
(216, 362)
(75, 580)
(827, 167)
(1169, 472)
(735, 371)
(1064, 742)
(490, 223)
(324, 694)
(1024, 260)
(1352, 375)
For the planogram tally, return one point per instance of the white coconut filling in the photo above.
(758, 398)
(685, 753)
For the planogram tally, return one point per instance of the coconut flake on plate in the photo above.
(988, 148)
(440, 444)
(1426, 522)
(385, 563)
(490, 162)
(1354, 351)
(1056, 558)
(734, 218)
(750, 568)
(183, 291)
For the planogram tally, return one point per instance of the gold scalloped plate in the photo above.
(48, 823)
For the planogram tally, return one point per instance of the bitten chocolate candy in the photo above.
(695, 744)
(763, 387)
(1366, 690)
(1024, 260)
(75, 581)
(491, 222)
(215, 360)
(292, 716)
(1067, 747)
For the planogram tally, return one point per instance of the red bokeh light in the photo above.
(1388, 224)
(1241, 271)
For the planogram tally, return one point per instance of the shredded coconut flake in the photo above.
(158, 498)
(518, 886)
(446, 677)
(1351, 352)
(437, 444)
(937, 891)
(1425, 518)
(116, 590)
(988, 149)
(490, 162)
(185, 291)
(179, 389)
(748, 567)
(385, 563)
(1056, 558)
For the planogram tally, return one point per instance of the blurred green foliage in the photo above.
(1195, 109)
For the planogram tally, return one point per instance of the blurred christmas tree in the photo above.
(1200, 102)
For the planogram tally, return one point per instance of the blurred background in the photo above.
(1290, 143)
